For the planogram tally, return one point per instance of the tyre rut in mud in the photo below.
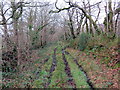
(53, 66)
(68, 71)
(81, 68)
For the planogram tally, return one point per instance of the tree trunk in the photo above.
(87, 30)
(7, 40)
(16, 38)
(116, 22)
(110, 17)
(79, 25)
(71, 25)
(88, 17)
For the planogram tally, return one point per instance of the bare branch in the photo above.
(59, 10)
(117, 11)
(98, 13)
(6, 10)
(94, 4)
(56, 4)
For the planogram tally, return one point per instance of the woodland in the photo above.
(52, 44)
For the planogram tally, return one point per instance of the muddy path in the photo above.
(81, 69)
(68, 71)
(53, 66)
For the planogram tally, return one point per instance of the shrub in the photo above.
(102, 40)
(73, 43)
(83, 41)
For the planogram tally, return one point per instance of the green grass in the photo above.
(78, 75)
(91, 68)
(46, 52)
(21, 80)
(42, 76)
(59, 78)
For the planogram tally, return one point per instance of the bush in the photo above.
(73, 43)
(83, 41)
(100, 41)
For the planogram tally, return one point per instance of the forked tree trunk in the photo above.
(71, 25)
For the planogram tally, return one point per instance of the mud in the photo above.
(68, 71)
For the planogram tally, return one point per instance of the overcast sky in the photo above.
(102, 14)
(61, 4)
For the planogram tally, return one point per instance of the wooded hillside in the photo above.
(69, 44)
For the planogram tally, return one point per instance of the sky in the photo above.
(102, 14)
(61, 4)
(63, 0)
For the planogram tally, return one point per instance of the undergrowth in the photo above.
(99, 46)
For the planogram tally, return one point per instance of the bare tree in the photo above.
(70, 23)
(4, 23)
(74, 5)
(108, 21)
